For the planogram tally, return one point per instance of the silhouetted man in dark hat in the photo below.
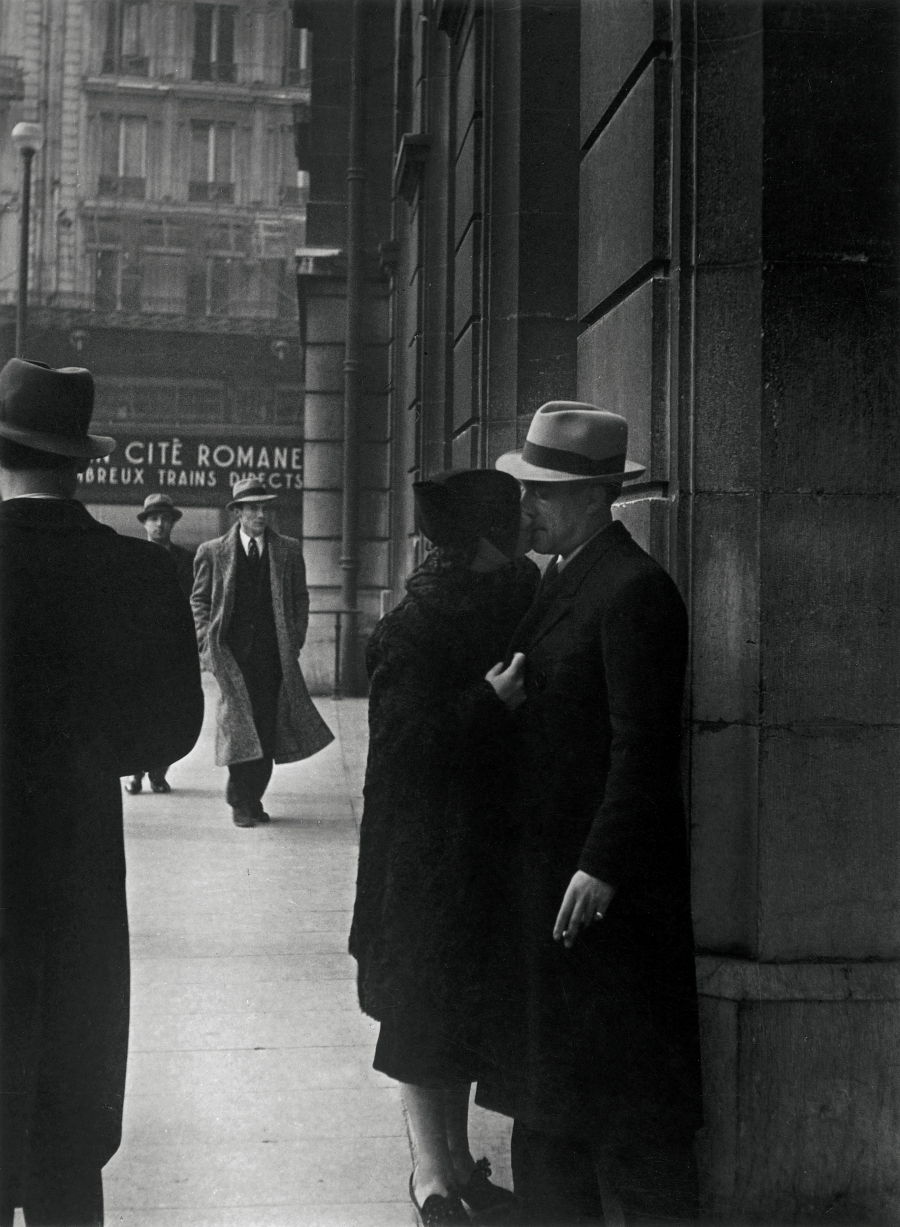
(99, 675)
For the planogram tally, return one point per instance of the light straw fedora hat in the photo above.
(250, 490)
(571, 441)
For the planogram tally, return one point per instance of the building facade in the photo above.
(167, 210)
(687, 213)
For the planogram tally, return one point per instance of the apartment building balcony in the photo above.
(293, 93)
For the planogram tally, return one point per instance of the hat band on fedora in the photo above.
(575, 463)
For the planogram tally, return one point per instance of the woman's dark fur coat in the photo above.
(436, 791)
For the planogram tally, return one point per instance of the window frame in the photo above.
(215, 68)
(115, 62)
(117, 184)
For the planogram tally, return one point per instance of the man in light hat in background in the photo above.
(98, 674)
(591, 1024)
(251, 609)
(159, 515)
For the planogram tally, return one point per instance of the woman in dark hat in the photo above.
(435, 796)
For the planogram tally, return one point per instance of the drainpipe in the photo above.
(356, 177)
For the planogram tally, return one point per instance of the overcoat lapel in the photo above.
(554, 602)
(277, 562)
(228, 555)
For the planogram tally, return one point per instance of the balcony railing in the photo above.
(122, 187)
(204, 70)
(211, 192)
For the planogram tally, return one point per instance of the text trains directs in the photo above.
(117, 475)
(168, 453)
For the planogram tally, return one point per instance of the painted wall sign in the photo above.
(196, 466)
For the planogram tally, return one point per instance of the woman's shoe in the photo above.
(160, 785)
(439, 1209)
(490, 1202)
(134, 785)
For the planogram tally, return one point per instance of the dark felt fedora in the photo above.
(572, 441)
(456, 507)
(250, 490)
(156, 504)
(50, 410)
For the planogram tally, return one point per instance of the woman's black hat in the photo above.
(455, 508)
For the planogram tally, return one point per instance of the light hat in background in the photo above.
(250, 490)
(572, 441)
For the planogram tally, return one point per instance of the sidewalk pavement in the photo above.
(251, 1097)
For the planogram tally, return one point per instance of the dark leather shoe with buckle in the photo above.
(437, 1209)
(134, 785)
(160, 785)
(242, 817)
(490, 1203)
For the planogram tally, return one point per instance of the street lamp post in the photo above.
(28, 138)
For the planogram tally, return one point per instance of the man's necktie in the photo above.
(253, 551)
(549, 576)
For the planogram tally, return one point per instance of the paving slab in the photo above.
(251, 1100)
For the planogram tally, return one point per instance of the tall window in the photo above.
(298, 58)
(123, 156)
(117, 283)
(212, 161)
(164, 283)
(127, 23)
(213, 42)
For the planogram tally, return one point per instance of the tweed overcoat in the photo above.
(600, 1039)
(300, 730)
(438, 781)
(99, 675)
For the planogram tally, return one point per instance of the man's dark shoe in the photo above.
(490, 1203)
(160, 785)
(242, 817)
(439, 1209)
(134, 785)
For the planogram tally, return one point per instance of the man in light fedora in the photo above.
(591, 1027)
(251, 608)
(98, 674)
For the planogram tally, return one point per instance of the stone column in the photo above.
(794, 590)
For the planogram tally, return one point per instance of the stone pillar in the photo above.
(793, 513)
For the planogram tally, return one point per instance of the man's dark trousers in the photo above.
(253, 638)
(557, 1179)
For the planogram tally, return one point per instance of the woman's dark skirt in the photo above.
(412, 1049)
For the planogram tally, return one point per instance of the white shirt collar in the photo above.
(260, 542)
(564, 561)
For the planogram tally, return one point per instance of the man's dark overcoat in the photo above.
(184, 566)
(438, 781)
(600, 1039)
(99, 675)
